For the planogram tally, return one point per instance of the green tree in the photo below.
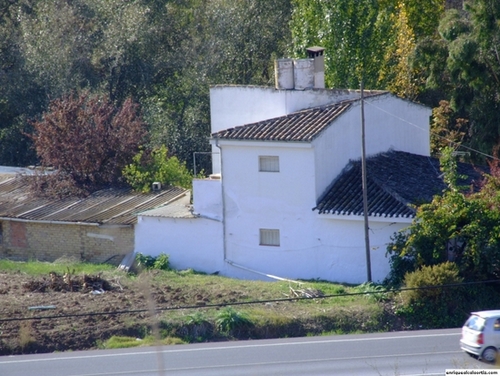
(410, 22)
(456, 226)
(424, 16)
(246, 36)
(396, 71)
(20, 96)
(178, 115)
(373, 39)
(56, 44)
(134, 44)
(156, 166)
(224, 42)
(113, 46)
(463, 67)
(352, 34)
(446, 129)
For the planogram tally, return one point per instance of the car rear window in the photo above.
(475, 323)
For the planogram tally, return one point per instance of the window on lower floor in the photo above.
(269, 163)
(269, 237)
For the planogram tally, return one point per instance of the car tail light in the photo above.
(480, 339)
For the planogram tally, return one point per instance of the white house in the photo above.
(285, 198)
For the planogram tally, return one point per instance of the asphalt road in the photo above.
(428, 352)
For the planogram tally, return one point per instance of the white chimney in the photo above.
(318, 54)
(283, 73)
(301, 74)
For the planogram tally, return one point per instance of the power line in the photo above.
(434, 133)
(177, 308)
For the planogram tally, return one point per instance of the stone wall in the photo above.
(22, 241)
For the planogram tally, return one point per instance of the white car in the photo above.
(481, 335)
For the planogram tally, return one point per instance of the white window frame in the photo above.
(269, 163)
(269, 237)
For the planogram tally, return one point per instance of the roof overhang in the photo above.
(257, 143)
(372, 218)
(51, 222)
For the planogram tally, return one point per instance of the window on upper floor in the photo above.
(269, 163)
(269, 237)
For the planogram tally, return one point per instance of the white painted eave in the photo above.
(374, 218)
(257, 143)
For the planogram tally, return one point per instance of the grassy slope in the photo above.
(209, 307)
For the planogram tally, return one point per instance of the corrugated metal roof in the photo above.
(395, 181)
(179, 209)
(110, 206)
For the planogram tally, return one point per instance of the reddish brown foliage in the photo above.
(87, 141)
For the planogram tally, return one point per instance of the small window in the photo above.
(496, 325)
(269, 163)
(269, 237)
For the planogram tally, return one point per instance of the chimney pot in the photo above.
(312, 52)
(156, 186)
(317, 53)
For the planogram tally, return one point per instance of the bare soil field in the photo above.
(40, 314)
(84, 315)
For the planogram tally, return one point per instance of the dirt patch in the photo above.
(61, 313)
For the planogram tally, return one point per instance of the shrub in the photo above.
(160, 262)
(156, 166)
(427, 303)
(377, 293)
(197, 328)
(401, 262)
(229, 320)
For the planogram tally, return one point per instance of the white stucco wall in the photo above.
(325, 248)
(251, 195)
(191, 243)
(207, 198)
(231, 106)
(245, 200)
(390, 123)
(311, 245)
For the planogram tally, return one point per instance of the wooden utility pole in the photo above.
(365, 187)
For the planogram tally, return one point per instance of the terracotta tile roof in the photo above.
(299, 126)
(395, 181)
(110, 206)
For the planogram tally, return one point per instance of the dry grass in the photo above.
(165, 305)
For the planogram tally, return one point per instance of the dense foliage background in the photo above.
(164, 55)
